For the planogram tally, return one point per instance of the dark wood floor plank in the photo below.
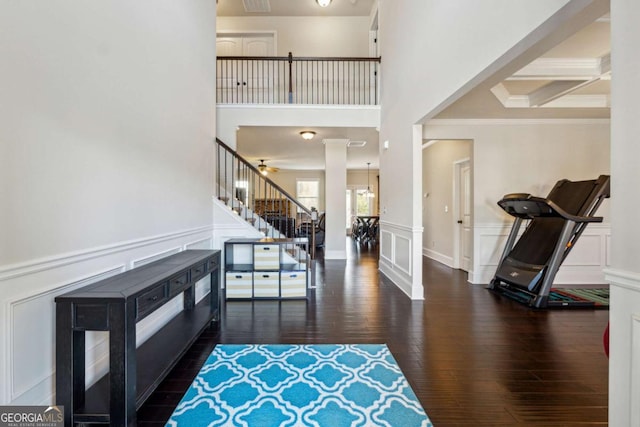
(473, 358)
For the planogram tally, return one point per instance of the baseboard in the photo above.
(437, 256)
(402, 283)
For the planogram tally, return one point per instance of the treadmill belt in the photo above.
(538, 241)
(541, 236)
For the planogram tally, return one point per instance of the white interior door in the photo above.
(257, 46)
(239, 79)
(229, 46)
(464, 221)
(245, 45)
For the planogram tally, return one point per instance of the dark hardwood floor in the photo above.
(472, 357)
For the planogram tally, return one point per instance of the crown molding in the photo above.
(564, 69)
(562, 100)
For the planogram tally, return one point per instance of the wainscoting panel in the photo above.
(584, 264)
(635, 369)
(587, 252)
(397, 260)
(27, 310)
(32, 324)
(403, 254)
(624, 347)
(200, 244)
(154, 257)
(386, 246)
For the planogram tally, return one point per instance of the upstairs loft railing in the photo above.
(259, 200)
(297, 80)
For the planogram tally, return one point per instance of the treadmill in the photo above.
(529, 264)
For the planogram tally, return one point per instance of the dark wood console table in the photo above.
(116, 304)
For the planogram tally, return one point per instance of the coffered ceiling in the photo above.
(571, 80)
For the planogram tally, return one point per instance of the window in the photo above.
(242, 188)
(358, 204)
(308, 192)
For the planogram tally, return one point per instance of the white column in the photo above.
(624, 274)
(335, 244)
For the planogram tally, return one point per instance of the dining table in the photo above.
(365, 228)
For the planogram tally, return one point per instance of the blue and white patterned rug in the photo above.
(300, 385)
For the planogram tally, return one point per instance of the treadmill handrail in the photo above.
(523, 205)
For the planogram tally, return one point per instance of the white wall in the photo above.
(309, 35)
(287, 179)
(107, 114)
(437, 184)
(520, 156)
(624, 274)
(431, 51)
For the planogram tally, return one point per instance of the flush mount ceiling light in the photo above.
(323, 3)
(307, 134)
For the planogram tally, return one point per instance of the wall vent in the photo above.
(356, 144)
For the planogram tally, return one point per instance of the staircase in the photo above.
(258, 200)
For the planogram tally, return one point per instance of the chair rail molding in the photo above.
(42, 264)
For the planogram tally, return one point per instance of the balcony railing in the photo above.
(297, 80)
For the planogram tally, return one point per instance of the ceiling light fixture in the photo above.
(307, 134)
(323, 3)
(262, 168)
(369, 192)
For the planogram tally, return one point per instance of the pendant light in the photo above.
(369, 192)
(323, 3)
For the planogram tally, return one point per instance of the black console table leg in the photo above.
(122, 365)
(64, 360)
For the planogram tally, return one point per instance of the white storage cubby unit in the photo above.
(266, 268)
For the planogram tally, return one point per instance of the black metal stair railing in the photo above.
(297, 80)
(259, 200)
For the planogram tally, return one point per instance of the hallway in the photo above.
(472, 358)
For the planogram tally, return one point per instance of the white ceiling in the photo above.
(571, 80)
(284, 148)
(295, 8)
